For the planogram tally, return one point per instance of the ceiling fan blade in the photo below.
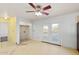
(47, 7)
(45, 13)
(30, 11)
(31, 4)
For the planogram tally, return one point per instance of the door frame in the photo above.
(18, 32)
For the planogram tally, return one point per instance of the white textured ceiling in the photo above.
(18, 9)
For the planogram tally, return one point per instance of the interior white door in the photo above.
(24, 32)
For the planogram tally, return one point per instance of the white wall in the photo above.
(67, 33)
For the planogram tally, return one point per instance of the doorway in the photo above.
(7, 31)
(3, 34)
(24, 33)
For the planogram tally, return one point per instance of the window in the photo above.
(55, 27)
(45, 29)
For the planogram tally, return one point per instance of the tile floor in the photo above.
(33, 47)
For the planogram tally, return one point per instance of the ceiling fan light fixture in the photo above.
(38, 13)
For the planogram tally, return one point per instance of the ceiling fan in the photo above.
(38, 10)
